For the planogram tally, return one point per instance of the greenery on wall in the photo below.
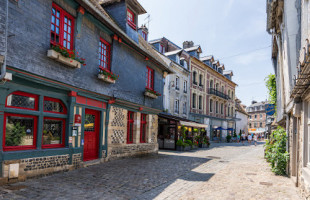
(270, 82)
(275, 151)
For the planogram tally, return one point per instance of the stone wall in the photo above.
(117, 135)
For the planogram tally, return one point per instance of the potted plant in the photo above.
(228, 138)
(107, 76)
(65, 56)
(14, 134)
(151, 93)
(181, 146)
(55, 140)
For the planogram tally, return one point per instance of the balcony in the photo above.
(218, 93)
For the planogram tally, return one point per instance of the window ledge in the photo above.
(148, 94)
(106, 79)
(59, 58)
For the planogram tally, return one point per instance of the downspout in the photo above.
(3, 67)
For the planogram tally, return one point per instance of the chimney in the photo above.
(188, 44)
(253, 102)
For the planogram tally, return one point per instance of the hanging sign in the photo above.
(70, 140)
(77, 120)
(270, 109)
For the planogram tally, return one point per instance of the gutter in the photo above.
(3, 67)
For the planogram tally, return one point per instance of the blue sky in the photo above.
(223, 28)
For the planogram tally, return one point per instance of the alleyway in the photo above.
(226, 171)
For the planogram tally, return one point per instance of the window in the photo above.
(232, 94)
(261, 116)
(217, 87)
(200, 80)
(222, 109)
(261, 125)
(144, 35)
(194, 100)
(22, 100)
(185, 64)
(143, 128)
(228, 109)
(177, 83)
(232, 111)
(54, 105)
(229, 93)
(223, 89)
(211, 83)
(255, 125)
(250, 125)
(177, 59)
(184, 108)
(20, 131)
(194, 78)
(255, 116)
(185, 86)
(216, 107)
(176, 106)
(62, 28)
(211, 105)
(200, 102)
(130, 123)
(162, 49)
(150, 78)
(131, 19)
(104, 55)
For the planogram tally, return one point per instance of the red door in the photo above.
(91, 134)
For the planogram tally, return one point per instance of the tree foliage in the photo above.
(270, 82)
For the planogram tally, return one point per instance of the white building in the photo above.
(242, 118)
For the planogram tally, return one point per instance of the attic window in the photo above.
(144, 35)
(131, 19)
(162, 49)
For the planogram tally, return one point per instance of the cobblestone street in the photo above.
(225, 171)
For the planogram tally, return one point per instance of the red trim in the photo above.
(162, 49)
(131, 19)
(81, 10)
(72, 94)
(46, 146)
(36, 105)
(115, 37)
(104, 55)
(143, 123)
(150, 78)
(94, 103)
(61, 27)
(81, 100)
(130, 121)
(17, 148)
(58, 101)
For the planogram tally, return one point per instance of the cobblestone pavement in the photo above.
(226, 171)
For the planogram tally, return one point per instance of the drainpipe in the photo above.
(3, 67)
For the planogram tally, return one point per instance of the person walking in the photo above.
(255, 139)
(243, 138)
(250, 139)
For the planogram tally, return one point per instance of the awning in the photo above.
(257, 131)
(193, 124)
(220, 128)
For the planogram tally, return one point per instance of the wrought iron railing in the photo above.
(218, 93)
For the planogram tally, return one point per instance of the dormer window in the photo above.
(177, 59)
(162, 49)
(185, 64)
(131, 19)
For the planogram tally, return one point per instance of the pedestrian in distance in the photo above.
(238, 138)
(255, 139)
(243, 138)
(250, 139)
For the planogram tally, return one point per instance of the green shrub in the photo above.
(179, 143)
(275, 151)
(14, 134)
(189, 142)
(228, 138)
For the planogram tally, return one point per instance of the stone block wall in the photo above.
(117, 135)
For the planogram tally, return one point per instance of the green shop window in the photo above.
(21, 128)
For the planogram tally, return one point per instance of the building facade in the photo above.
(257, 118)
(241, 118)
(78, 87)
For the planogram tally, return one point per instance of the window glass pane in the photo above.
(58, 14)
(20, 101)
(53, 27)
(89, 123)
(57, 22)
(57, 30)
(19, 131)
(53, 19)
(52, 131)
(54, 11)
(53, 106)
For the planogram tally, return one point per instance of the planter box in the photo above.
(194, 147)
(203, 146)
(59, 58)
(106, 78)
(55, 141)
(181, 148)
(148, 94)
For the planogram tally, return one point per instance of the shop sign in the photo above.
(77, 120)
(252, 129)
(70, 140)
(270, 109)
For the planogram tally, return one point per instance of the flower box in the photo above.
(148, 94)
(67, 61)
(181, 148)
(106, 78)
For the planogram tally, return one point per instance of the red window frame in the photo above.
(162, 49)
(143, 129)
(107, 50)
(36, 97)
(62, 37)
(131, 20)
(130, 121)
(144, 35)
(47, 146)
(150, 78)
(16, 148)
(58, 101)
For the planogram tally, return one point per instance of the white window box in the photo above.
(106, 78)
(67, 61)
(148, 94)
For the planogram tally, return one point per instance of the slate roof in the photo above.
(206, 58)
(194, 48)
(135, 2)
(173, 52)
(228, 72)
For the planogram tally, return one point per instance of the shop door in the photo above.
(91, 134)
